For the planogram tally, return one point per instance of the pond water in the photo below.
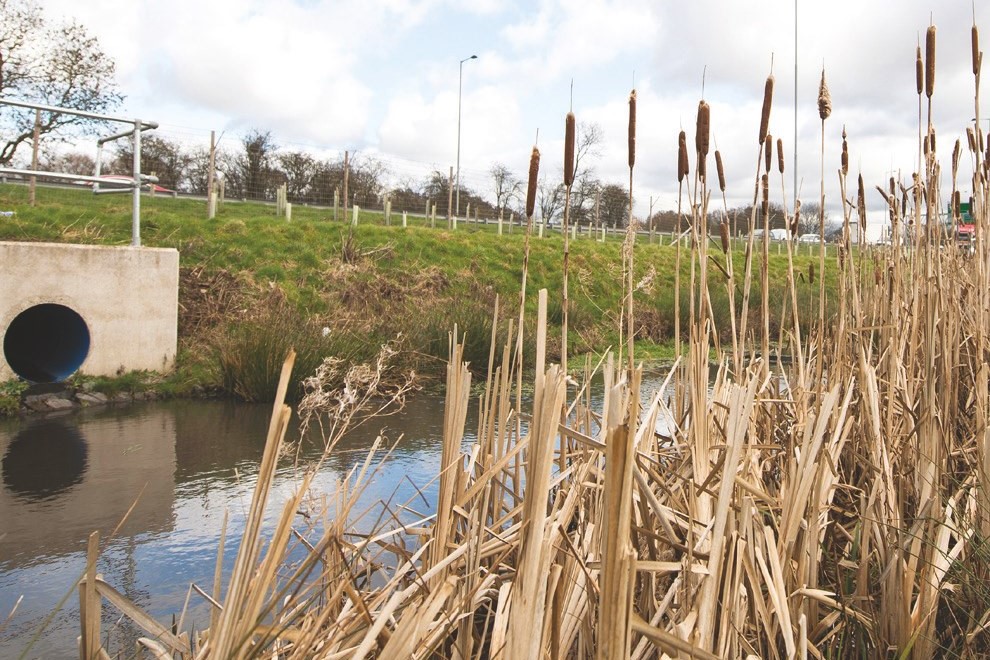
(184, 463)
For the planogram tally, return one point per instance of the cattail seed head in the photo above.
(926, 146)
(534, 172)
(975, 41)
(682, 156)
(702, 136)
(569, 149)
(767, 103)
(767, 152)
(931, 140)
(824, 99)
(893, 186)
(845, 157)
(955, 204)
(930, 61)
(780, 155)
(720, 169)
(861, 201)
(632, 128)
(955, 158)
(811, 273)
(971, 139)
(919, 72)
(796, 219)
(723, 230)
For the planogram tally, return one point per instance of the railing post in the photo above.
(136, 207)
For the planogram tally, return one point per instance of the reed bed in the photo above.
(838, 508)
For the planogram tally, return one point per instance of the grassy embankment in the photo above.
(252, 285)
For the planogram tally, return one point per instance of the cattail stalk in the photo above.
(534, 173)
(630, 237)
(569, 131)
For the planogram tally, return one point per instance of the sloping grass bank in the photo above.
(253, 285)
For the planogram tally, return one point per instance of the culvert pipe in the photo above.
(46, 343)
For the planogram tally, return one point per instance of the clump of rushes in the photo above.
(767, 102)
(930, 62)
(632, 128)
(682, 157)
(534, 172)
(702, 137)
(767, 152)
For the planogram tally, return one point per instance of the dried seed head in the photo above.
(824, 99)
(931, 139)
(701, 138)
(811, 273)
(720, 169)
(930, 61)
(569, 149)
(780, 155)
(861, 201)
(534, 172)
(632, 128)
(682, 156)
(767, 152)
(955, 204)
(955, 158)
(796, 220)
(971, 139)
(919, 72)
(767, 102)
(723, 230)
(845, 156)
(893, 186)
(977, 57)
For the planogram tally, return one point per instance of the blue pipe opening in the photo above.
(46, 343)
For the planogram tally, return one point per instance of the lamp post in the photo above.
(457, 185)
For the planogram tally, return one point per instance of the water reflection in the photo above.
(44, 459)
(190, 463)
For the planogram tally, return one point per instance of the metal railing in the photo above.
(137, 179)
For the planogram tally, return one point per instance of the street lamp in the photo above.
(460, 78)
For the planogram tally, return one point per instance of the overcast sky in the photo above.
(381, 77)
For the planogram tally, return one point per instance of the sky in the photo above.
(381, 78)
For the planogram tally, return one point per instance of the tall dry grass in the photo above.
(838, 508)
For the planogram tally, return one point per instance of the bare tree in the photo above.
(71, 163)
(550, 198)
(159, 156)
(505, 184)
(298, 169)
(58, 65)
(614, 205)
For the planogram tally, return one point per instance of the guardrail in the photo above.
(122, 185)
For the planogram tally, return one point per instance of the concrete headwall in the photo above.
(127, 296)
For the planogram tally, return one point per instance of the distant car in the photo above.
(809, 238)
(153, 187)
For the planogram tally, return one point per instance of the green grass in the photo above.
(372, 282)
